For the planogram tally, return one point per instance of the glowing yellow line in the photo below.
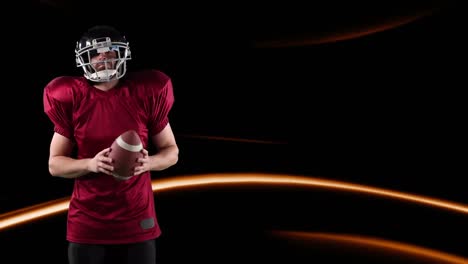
(376, 243)
(54, 207)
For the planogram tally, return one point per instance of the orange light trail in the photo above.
(258, 178)
(377, 243)
(34, 212)
(330, 37)
(54, 207)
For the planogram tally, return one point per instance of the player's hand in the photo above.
(144, 163)
(101, 162)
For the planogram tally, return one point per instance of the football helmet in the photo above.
(103, 39)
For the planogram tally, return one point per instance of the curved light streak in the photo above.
(372, 242)
(58, 206)
(33, 213)
(330, 36)
(259, 178)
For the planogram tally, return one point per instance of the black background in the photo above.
(385, 109)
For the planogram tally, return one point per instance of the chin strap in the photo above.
(104, 75)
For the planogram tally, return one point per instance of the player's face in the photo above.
(99, 61)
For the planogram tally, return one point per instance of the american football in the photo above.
(125, 152)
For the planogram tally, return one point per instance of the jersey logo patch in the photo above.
(147, 223)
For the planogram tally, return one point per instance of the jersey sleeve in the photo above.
(58, 103)
(162, 102)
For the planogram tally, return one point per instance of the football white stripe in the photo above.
(126, 146)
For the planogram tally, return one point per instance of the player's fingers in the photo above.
(105, 166)
(145, 153)
(139, 170)
(101, 169)
(143, 160)
(104, 151)
(105, 159)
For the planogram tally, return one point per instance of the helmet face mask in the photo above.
(109, 66)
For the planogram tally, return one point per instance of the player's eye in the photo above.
(93, 53)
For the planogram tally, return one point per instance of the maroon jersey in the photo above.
(104, 210)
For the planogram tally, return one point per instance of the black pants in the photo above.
(137, 253)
